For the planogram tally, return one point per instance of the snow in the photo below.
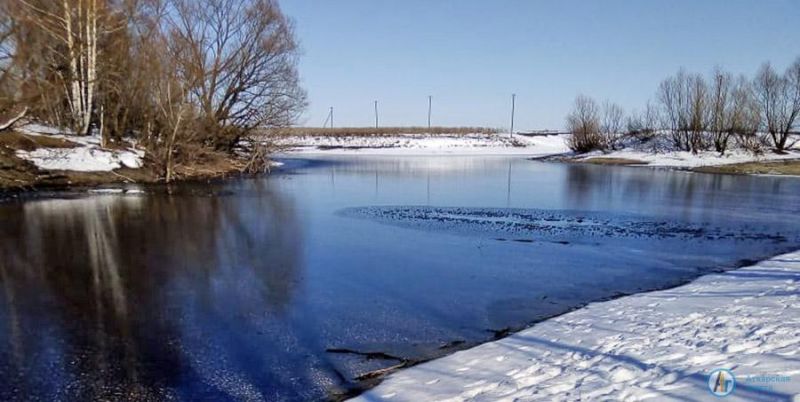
(83, 159)
(126, 191)
(651, 346)
(682, 159)
(40, 129)
(502, 144)
(424, 144)
(88, 156)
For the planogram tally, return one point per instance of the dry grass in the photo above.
(380, 131)
(613, 161)
(23, 142)
(787, 167)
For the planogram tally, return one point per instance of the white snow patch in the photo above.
(659, 345)
(39, 129)
(83, 159)
(125, 191)
(107, 191)
(87, 157)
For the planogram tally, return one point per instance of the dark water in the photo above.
(244, 290)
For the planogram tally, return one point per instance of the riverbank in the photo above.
(735, 161)
(36, 157)
(660, 345)
(425, 144)
(551, 148)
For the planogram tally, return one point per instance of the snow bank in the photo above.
(424, 144)
(88, 156)
(651, 346)
(83, 159)
(687, 160)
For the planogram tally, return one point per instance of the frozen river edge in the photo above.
(658, 345)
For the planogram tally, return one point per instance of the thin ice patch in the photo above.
(551, 225)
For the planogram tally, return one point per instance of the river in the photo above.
(292, 285)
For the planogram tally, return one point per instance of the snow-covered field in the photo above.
(652, 346)
(502, 144)
(682, 159)
(88, 156)
(423, 144)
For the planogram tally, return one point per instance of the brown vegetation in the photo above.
(584, 124)
(182, 78)
(613, 161)
(19, 174)
(787, 167)
(16, 141)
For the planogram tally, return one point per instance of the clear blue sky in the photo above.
(472, 54)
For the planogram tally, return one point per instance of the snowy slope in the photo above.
(652, 346)
(87, 157)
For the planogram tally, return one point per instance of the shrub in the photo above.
(584, 124)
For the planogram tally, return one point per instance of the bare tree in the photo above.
(7, 51)
(643, 125)
(77, 26)
(698, 111)
(239, 61)
(612, 124)
(584, 124)
(792, 77)
(720, 105)
(779, 102)
(671, 99)
(683, 100)
(743, 115)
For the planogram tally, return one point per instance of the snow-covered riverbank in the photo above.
(541, 146)
(652, 346)
(424, 144)
(85, 154)
(686, 160)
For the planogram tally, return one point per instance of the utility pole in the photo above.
(513, 104)
(331, 117)
(376, 114)
(430, 100)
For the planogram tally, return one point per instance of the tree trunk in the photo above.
(10, 123)
(75, 104)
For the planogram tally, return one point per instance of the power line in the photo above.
(327, 118)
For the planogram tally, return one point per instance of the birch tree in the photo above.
(7, 51)
(76, 25)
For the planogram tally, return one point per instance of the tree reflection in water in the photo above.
(129, 297)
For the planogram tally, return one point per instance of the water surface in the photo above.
(259, 288)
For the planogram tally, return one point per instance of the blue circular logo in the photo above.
(721, 382)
